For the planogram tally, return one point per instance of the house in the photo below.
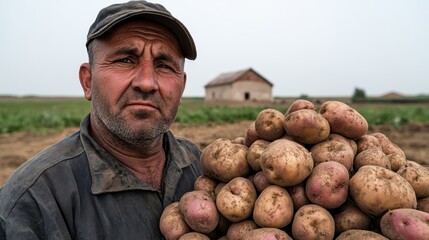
(239, 86)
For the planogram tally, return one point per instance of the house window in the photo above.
(247, 96)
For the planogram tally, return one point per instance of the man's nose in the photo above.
(146, 78)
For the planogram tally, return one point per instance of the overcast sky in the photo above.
(316, 48)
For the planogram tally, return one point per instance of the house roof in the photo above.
(231, 77)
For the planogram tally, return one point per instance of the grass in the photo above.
(50, 114)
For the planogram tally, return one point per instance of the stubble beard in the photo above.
(118, 126)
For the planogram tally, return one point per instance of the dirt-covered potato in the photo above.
(344, 119)
(349, 216)
(366, 142)
(286, 163)
(266, 234)
(418, 177)
(205, 183)
(405, 223)
(223, 160)
(332, 150)
(199, 211)
(376, 190)
(423, 204)
(306, 126)
(395, 154)
(371, 156)
(250, 136)
(236, 199)
(300, 104)
(269, 124)
(194, 236)
(359, 234)
(238, 229)
(273, 208)
(313, 222)
(254, 153)
(261, 182)
(327, 185)
(338, 137)
(298, 195)
(171, 224)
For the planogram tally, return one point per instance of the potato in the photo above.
(286, 163)
(338, 137)
(418, 177)
(238, 229)
(171, 224)
(358, 234)
(300, 104)
(266, 234)
(236, 199)
(376, 190)
(269, 124)
(392, 150)
(238, 140)
(423, 204)
(344, 119)
(204, 183)
(332, 150)
(366, 142)
(194, 236)
(250, 135)
(199, 211)
(349, 216)
(306, 126)
(327, 185)
(313, 222)
(371, 156)
(261, 182)
(298, 195)
(273, 208)
(405, 223)
(254, 154)
(223, 160)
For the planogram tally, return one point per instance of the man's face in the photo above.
(137, 80)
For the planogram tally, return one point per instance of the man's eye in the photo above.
(124, 60)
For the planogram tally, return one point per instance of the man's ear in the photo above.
(184, 83)
(85, 79)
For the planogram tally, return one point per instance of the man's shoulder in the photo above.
(29, 172)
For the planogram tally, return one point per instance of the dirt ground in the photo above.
(16, 148)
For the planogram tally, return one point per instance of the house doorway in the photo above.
(247, 96)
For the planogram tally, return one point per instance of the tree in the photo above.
(359, 94)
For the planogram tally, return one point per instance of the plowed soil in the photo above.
(16, 148)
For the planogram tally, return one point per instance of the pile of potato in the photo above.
(305, 174)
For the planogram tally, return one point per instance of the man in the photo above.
(113, 178)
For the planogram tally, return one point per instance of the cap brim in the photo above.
(182, 34)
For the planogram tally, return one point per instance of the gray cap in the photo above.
(116, 13)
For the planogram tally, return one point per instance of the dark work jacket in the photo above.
(77, 190)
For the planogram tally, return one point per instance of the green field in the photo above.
(50, 114)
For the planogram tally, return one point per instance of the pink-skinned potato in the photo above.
(343, 119)
(286, 163)
(327, 185)
(405, 223)
(300, 104)
(423, 204)
(250, 136)
(306, 126)
(199, 211)
(298, 195)
(260, 181)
